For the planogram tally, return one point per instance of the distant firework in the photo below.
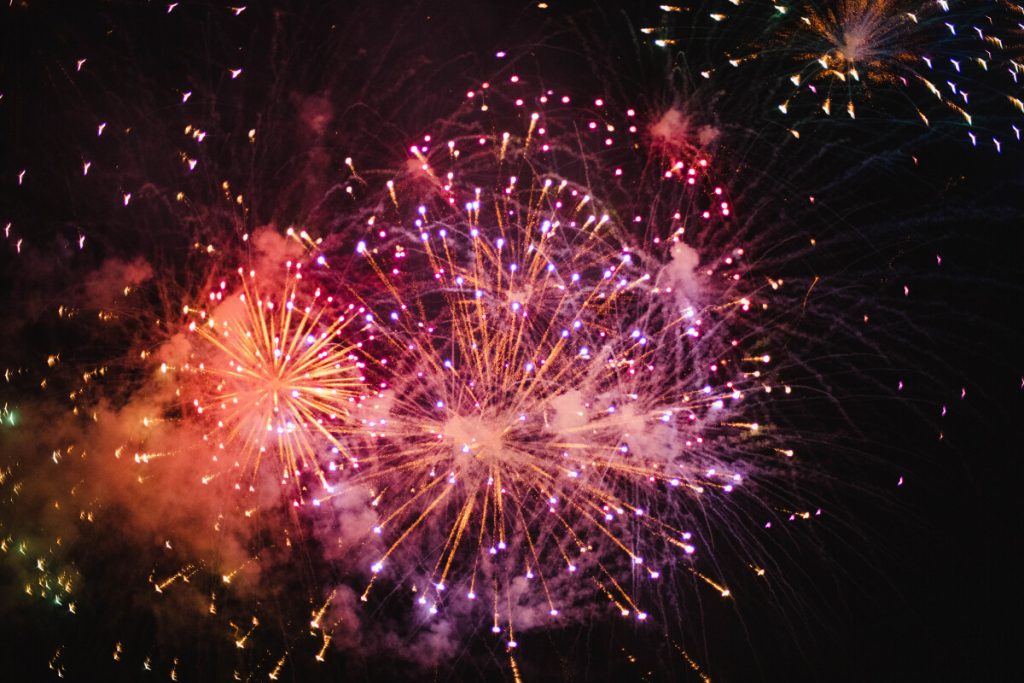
(942, 62)
(560, 392)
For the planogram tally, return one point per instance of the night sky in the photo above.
(149, 150)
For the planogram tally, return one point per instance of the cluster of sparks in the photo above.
(535, 402)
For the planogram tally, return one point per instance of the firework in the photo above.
(556, 399)
(854, 57)
(854, 52)
(277, 375)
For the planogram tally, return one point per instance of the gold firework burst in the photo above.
(276, 375)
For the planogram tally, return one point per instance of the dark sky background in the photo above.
(916, 582)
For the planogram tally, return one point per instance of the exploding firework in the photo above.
(558, 398)
(277, 375)
(854, 52)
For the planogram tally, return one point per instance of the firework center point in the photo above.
(476, 440)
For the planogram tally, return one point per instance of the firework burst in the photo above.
(854, 52)
(277, 375)
(854, 58)
(556, 400)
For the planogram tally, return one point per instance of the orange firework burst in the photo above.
(278, 376)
